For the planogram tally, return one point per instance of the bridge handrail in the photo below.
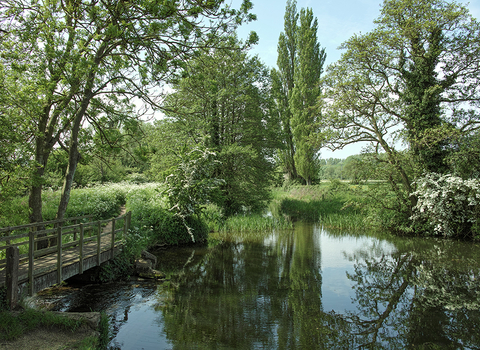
(43, 223)
(58, 233)
(50, 230)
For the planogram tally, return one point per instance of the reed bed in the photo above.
(333, 204)
(255, 223)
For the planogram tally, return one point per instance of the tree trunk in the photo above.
(73, 154)
(73, 158)
(35, 197)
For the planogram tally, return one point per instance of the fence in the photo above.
(32, 250)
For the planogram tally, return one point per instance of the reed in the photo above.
(333, 204)
(255, 222)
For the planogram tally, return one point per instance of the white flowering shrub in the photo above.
(449, 203)
(191, 184)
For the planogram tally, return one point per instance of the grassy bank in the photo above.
(334, 204)
(14, 326)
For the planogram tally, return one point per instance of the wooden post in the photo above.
(12, 276)
(59, 254)
(75, 229)
(31, 251)
(112, 244)
(99, 236)
(7, 233)
(80, 266)
(124, 235)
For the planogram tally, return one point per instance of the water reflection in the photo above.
(302, 289)
(421, 296)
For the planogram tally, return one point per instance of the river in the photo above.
(307, 288)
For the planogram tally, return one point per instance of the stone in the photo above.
(152, 274)
(142, 265)
(149, 256)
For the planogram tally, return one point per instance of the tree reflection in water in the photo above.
(266, 293)
(420, 297)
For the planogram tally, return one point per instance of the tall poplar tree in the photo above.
(283, 83)
(295, 87)
(309, 66)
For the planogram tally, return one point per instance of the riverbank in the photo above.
(333, 204)
(33, 329)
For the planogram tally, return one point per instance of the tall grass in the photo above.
(255, 223)
(103, 201)
(334, 204)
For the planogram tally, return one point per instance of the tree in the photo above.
(222, 103)
(83, 60)
(295, 86)
(304, 95)
(283, 83)
(15, 149)
(191, 184)
(414, 78)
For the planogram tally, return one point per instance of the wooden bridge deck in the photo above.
(40, 269)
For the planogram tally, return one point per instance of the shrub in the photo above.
(152, 219)
(448, 203)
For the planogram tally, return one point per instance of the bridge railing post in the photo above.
(59, 254)
(13, 257)
(99, 239)
(7, 234)
(31, 255)
(112, 243)
(75, 222)
(80, 267)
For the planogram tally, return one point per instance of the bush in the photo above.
(150, 218)
(449, 204)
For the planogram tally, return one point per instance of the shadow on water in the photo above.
(302, 289)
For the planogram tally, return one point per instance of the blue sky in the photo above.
(338, 20)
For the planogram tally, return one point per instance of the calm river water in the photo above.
(308, 288)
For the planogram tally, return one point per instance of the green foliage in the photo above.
(239, 223)
(167, 139)
(222, 103)
(104, 332)
(152, 221)
(295, 87)
(102, 201)
(309, 67)
(407, 80)
(120, 267)
(192, 184)
(67, 63)
(10, 328)
(282, 87)
(464, 161)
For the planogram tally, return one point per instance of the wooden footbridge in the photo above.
(39, 255)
